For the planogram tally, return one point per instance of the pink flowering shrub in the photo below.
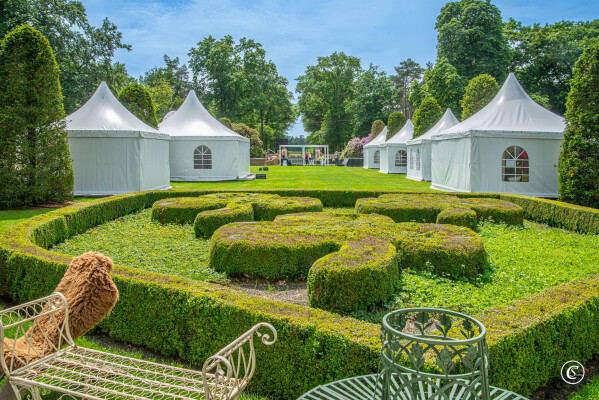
(355, 148)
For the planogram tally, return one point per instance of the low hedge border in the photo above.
(427, 207)
(458, 216)
(191, 319)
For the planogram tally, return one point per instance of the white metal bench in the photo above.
(90, 374)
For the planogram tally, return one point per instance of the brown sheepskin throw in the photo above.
(90, 293)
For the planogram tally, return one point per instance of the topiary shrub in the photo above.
(256, 145)
(458, 216)
(211, 211)
(426, 116)
(377, 128)
(427, 207)
(207, 222)
(395, 122)
(479, 92)
(35, 164)
(226, 122)
(360, 274)
(579, 159)
(137, 99)
(290, 245)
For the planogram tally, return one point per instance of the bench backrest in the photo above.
(33, 330)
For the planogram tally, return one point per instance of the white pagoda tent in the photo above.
(203, 149)
(419, 149)
(372, 153)
(510, 146)
(394, 156)
(113, 151)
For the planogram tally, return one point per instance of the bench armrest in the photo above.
(227, 373)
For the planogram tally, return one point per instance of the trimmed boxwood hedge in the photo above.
(427, 207)
(192, 320)
(215, 210)
(288, 246)
(458, 216)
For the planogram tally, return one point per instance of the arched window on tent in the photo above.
(401, 158)
(377, 157)
(514, 165)
(417, 159)
(412, 160)
(202, 158)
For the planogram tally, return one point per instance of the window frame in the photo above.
(401, 160)
(515, 165)
(202, 157)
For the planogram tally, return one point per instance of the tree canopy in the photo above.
(479, 92)
(395, 122)
(84, 53)
(471, 39)
(407, 73)
(579, 159)
(426, 116)
(138, 100)
(445, 85)
(35, 167)
(326, 90)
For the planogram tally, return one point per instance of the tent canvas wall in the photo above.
(510, 146)
(419, 149)
(203, 149)
(372, 153)
(113, 151)
(394, 158)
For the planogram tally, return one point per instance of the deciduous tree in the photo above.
(138, 100)
(479, 92)
(35, 166)
(406, 74)
(426, 116)
(445, 85)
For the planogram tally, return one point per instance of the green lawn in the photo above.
(589, 391)
(316, 177)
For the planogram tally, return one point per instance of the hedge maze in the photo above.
(441, 209)
(351, 261)
(209, 212)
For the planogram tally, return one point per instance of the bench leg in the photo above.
(10, 392)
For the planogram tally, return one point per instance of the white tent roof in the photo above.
(193, 120)
(104, 113)
(379, 139)
(512, 110)
(447, 121)
(406, 133)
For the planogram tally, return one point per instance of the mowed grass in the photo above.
(589, 391)
(316, 177)
(522, 261)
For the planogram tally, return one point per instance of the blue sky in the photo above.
(295, 33)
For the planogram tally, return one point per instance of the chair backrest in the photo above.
(33, 330)
(345, 161)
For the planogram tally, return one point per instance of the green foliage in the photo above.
(458, 216)
(83, 52)
(226, 122)
(445, 85)
(35, 164)
(373, 97)
(395, 122)
(406, 74)
(579, 159)
(289, 246)
(471, 39)
(479, 92)
(207, 222)
(427, 207)
(256, 145)
(239, 83)
(325, 92)
(162, 98)
(543, 57)
(354, 278)
(417, 94)
(376, 128)
(541, 100)
(426, 116)
(137, 99)
(137, 241)
(589, 391)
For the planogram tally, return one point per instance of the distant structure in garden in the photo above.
(202, 148)
(113, 151)
(419, 149)
(510, 146)
(372, 153)
(394, 156)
